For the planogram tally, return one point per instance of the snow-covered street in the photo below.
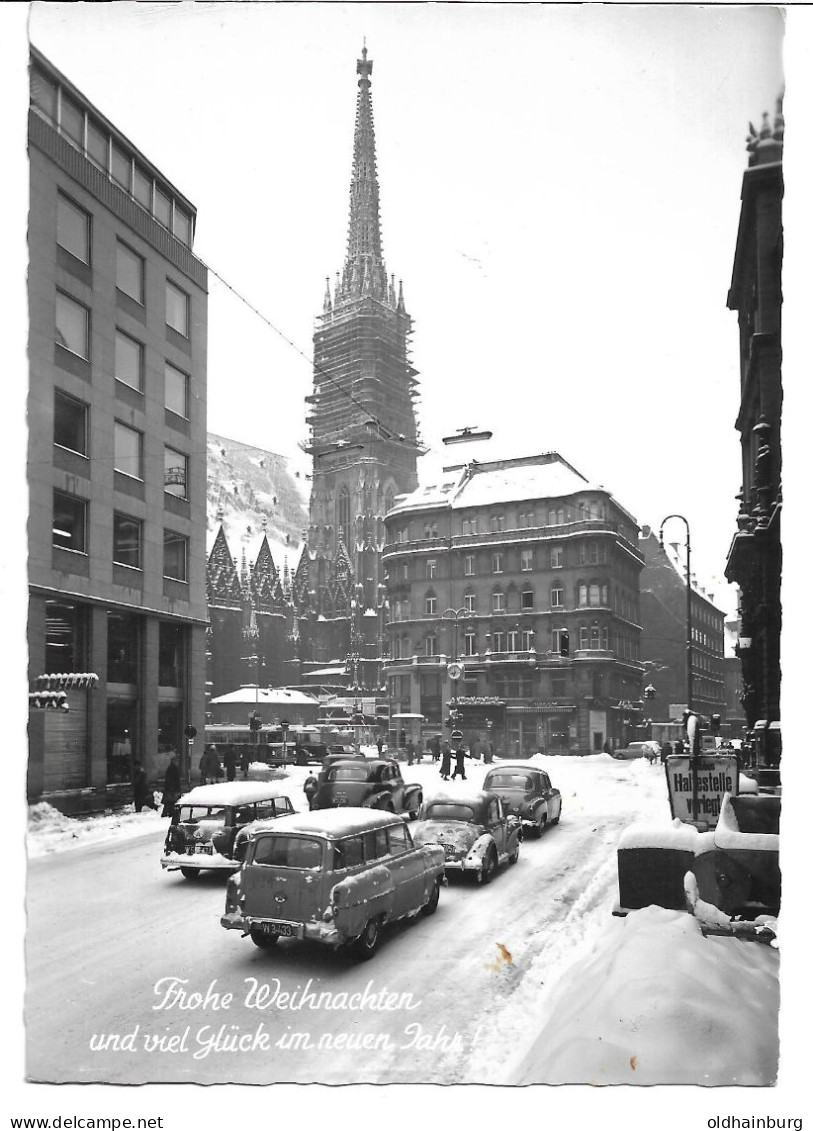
(476, 984)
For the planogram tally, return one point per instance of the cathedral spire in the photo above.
(364, 231)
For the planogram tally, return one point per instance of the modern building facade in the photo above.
(755, 556)
(526, 575)
(116, 452)
(664, 638)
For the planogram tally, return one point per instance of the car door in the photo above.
(552, 798)
(406, 863)
(396, 785)
(497, 823)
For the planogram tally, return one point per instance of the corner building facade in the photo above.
(489, 567)
(116, 453)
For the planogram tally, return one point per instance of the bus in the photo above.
(268, 744)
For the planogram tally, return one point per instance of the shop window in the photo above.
(65, 637)
(123, 647)
(122, 719)
(171, 658)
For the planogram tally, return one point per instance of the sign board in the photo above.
(457, 736)
(699, 803)
(455, 671)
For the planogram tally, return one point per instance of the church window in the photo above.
(343, 515)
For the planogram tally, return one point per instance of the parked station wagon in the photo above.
(206, 821)
(528, 794)
(371, 783)
(474, 831)
(335, 876)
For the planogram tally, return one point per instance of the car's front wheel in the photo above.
(190, 873)
(263, 941)
(489, 867)
(367, 943)
(416, 807)
(512, 859)
(539, 827)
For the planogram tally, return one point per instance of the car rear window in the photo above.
(509, 781)
(288, 852)
(195, 814)
(448, 811)
(348, 773)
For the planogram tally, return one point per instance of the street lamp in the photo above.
(455, 668)
(688, 602)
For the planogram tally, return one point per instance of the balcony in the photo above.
(391, 548)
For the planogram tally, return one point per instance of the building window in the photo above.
(129, 365)
(498, 641)
(177, 309)
(43, 95)
(176, 391)
(431, 645)
(497, 522)
(558, 685)
(470, 525)
(122, 744)
(470, 603)
(343, 513)
(431, 568)
(557, 597)
(582, 595)
(396, 648)
(182, 227)
(595, 595)
(65, 637)
(470, 642)
(72, 325)
(72, 122)
(468, 565)
(127, 450)
(70, 423)
(123, 640)
(176, 470)
(70, 522)
(497, 561)
(513, 640)
(129, 273)
(430, 604)
(595, 637)
(406, 645)
(175, 555)
(142, 189)
(556, 517)
(171, 666)
(162, 208)
(527, 639)
(556, 557)
(556, 639)
(498, 601)
(526, 560)
(584, 637)
(97, 147)
(127, 541)
(73, 228)
(121, 169)
(526, 600)
(527, 519)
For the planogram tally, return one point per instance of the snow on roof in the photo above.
(229, 793)
(267, 696)
(513, 484)
(338, 822)
(342, 670)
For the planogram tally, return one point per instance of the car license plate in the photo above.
(277, 929)
(450, 851)
(206, 848)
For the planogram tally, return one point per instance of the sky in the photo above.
(559, 193)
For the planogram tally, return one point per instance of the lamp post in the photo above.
(455, 668)
(688, 602)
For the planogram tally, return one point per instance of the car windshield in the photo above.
(288, 852)
(195, 814)
(448, 811)
(348, 773)
(510, 781)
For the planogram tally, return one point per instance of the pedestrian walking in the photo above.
(300, 754)
(489, 754)
(460, 756)
(434, 746)
(310, 787)
(142, 794)
(210, 768)
(380, 745)
(172, 786)
(410, 749)
(230, 763)
(245, 761)
(446, 761)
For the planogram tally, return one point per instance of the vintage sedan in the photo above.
(336, 877)
(206, 821)
(371, 783)
(473, 829)
(528, 794)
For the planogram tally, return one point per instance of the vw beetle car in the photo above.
(335, 876)
(206, 821)
(474, 830)
(371, 783)
(528, 794)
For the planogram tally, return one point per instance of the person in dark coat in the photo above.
(172, 786)
(380, 745)
(489, 754)
(410, 749)
(434, 746)
(446, 761)
(245, 761)
(142, 794)
(210, 768)
(300, 754)
(230, 763)
(310, 787)
(460, 756)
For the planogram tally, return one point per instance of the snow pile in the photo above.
(654, 1002)
(51, 831)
